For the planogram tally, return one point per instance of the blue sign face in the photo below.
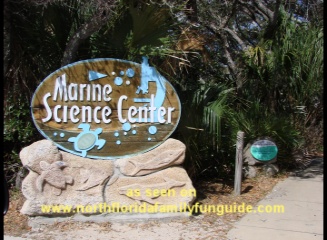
(264, 150)
(106, 108)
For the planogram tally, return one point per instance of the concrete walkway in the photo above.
(302, 198)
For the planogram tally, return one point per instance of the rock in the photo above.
(72, 181)
(60, 178)
(43, 150)
(250, 172)
(171, 152)
(170, 186)
(270, 170)
(88, 173)
(20, 177)
(54, 176)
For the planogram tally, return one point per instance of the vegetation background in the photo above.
(254, 66)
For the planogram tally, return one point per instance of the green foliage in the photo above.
(17, 125)
(282, 76)
(19, 132)
(201, 129)
(284, 82)
(281, 94)
(141, 30)
(257, 121)
(286, 72)
(38, 41)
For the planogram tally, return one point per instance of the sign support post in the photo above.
(238, 163)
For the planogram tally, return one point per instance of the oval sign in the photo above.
(106, 108)
(264, 150)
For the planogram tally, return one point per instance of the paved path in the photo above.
(302, 197)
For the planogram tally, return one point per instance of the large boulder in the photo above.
(167, 187)
(58, 178)
(172, 152)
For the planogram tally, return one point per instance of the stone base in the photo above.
(269, 170)
(59, 180)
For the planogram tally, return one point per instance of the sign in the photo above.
(106, 108)
(264, 150)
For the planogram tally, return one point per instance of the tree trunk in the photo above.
(103, 13)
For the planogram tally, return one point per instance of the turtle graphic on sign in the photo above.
(87, 139)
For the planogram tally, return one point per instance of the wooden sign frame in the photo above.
(106, 108)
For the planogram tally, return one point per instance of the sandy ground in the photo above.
(208, 226)
(194, 227)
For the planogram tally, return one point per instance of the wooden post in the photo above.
(238, 163)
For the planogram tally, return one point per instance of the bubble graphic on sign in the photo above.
(134, 132)
(118, 142)
(116, 134)
(122, 73)
(130, 72)
(61, 134)
(118, 81)
(152, 130)
(127, 126)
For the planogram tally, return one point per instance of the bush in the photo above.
(19, 131)
(257, 121)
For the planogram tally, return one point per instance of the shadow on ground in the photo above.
(315, 167)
